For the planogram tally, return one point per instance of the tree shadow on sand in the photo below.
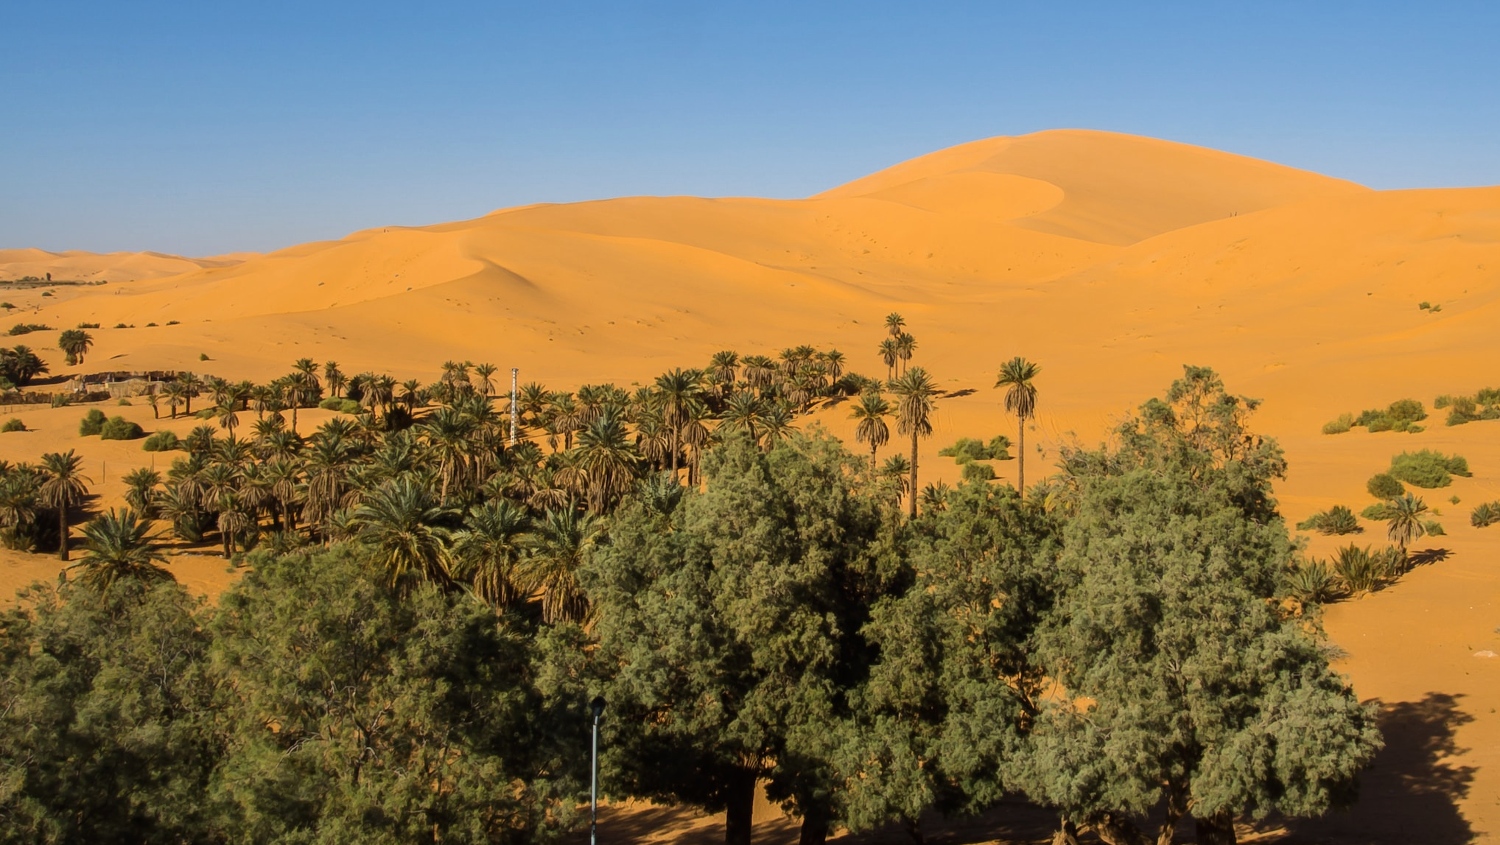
(1411, 792)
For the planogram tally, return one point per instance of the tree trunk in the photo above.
(1118, 830)
(913, 828)
(1175, 810)
(913, 492)
(814, 825)
(1216, 829)
(1066, 834)
(62, 533)
(294, 417)
(1021, 457)
(873, 449)
(739, 808)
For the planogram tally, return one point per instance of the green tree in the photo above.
(728, 628)
(678, 388)
(63, 488)
(405, 530)
(488, 548)
(1016, 377)
(1404, 523)
(870, 427)
(119, 545)
(560, 542)
(75, 344)
(1185, 688)
(915, 391)
(363, 713)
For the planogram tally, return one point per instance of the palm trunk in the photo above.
(739, 808)
(913, 491)
(674, 454)
(62, 533)
(294, 417)
(1021, 456)
(873, 449)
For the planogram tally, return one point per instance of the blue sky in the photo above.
(208, 127)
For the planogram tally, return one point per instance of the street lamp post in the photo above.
(597, 706)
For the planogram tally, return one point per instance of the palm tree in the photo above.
(894, 324)
(1020, 399)
(871, 413)
(402, 523)
(154, 399)
(176, 394)
(725, 365)
(678, 387)
(914, 391)
(889, 355)
(233, 521)
(191, 385)
(334, 378)
(119, 546)
(835, 361)
(63, 488)
(1404, 516)
(486, 374)
(608, 461)
(140, 490)
(227, 417)
(75, 343)
(487, 549)
(906, 345)
(558, 548)
(743, 412)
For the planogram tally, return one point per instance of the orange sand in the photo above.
(1109, 259)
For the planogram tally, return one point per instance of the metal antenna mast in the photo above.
(514, 371)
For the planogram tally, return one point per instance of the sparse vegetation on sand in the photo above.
(27, 328)
(1336, 520)
(1485, 515)
(1428, 469)
(968, 449)
(1401, 415)
(415, 548)
(13, 424)
(1484, 405)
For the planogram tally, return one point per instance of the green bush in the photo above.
(968, 449)
(161, 441)
(1384, 486)
(338, 403)
(1433, 528)
(93, 422)
(203, 356)
(1313, 583)
(28, 328)
(1378, 512)
(978, 472)
(121, 326)
(1428, 469)
(1340, 425)
(1360, 570)
(1401, 415)
(1485, 515)
(1337, 520)
(119, 428)
(13, 424)
(88, 325)
(171, 322)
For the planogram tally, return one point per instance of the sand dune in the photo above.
(114, 266)
(1112, 260)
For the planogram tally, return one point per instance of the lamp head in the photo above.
(597, 706)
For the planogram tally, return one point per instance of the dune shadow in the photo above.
(1427, 556)
(1411, 792)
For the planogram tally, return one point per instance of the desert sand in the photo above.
(1110, 260)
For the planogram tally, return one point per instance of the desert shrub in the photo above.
(1433, 528)
(120, 326)
(119, 428)
(1336, 520)
(1428, 469)
(61, 400)
(161, 441)
(1485, 515)
(1360, 570)
(338, 403)
(1340, 425)
(150, 325)
(968, 449)
(124, 403)
(1424, 306)
(1384, 486)
(171, 322)
(203, 356)
(1442, 402)
(978, 472)
(13, 424)
(93, 422)
(1378, 512)
(1313, 583)
(28, 328)
(88, 325)
(205, 414)
(1401, 415)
